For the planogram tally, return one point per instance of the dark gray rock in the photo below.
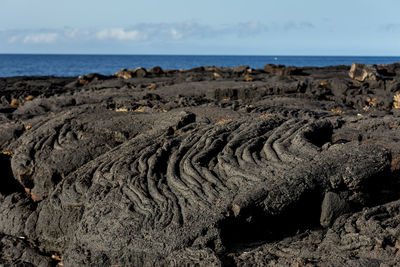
(140, 72)
(160, 208)
(366, 238)
(241, 69)
(157, 70)
(201, 171)
(16, 251)
(332, 207)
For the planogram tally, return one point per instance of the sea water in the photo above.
(74, 65)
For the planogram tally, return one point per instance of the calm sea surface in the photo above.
(73, 65)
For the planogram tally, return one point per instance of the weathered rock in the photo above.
(389, 70)
(86, 79)
(200, 170)
(274, 69)
(140, 72)
(157, 70)
(362, 72)
(393, 86)
(16, 251)
(241, 69)
(367, 238)
(281, 70)
(125, 74)
(172, 195)
(9, 132)
(332, 207)
(40, 156)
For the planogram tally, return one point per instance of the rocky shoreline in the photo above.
(209, 166)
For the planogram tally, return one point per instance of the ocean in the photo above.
(74, 65)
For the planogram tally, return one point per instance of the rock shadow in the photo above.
(8, 184)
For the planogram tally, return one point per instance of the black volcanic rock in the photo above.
(332, 207)
(174, 168)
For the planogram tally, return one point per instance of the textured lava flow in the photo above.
(164, 191)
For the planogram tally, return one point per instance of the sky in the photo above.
(207, 27)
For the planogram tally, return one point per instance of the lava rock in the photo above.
(157, 70)
(332, 207)
(125, 74)
(200, 169)
(241, 69)
(362, 72)
(140, 72)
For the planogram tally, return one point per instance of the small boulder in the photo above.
(274, 69)
(125, 74)
(332, 207)
(86, 79)
(361, 72)
(241, 69)
(140, 72)
(157, 70)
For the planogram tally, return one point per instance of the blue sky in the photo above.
(269, 27)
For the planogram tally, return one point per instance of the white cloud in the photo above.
(13, 39)
(76, 33)
(154, 32)
(40, 38)
(176, 34)
(121, 34)
(249, 29)
(303, 25)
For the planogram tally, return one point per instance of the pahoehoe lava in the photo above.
(209, 166)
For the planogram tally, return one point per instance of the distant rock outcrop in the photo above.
(362, 72)
(282, 70)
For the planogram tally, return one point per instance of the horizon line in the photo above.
(229, 55)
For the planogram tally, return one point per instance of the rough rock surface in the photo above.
(332, 207)
(362, 72)
(209, 166)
